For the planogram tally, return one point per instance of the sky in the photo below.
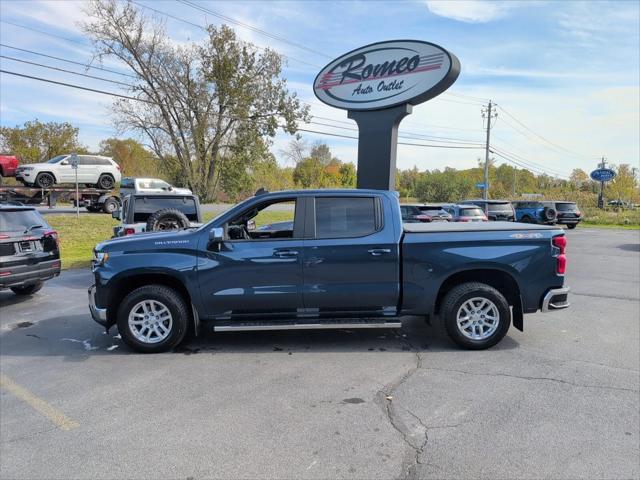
(565, 75)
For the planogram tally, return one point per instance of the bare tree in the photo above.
(200, 104)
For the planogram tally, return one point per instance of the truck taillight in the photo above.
(129, 231)
(560, 242)
(53, 234)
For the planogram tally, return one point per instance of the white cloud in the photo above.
(470, 11)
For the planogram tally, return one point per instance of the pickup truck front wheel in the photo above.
(476, 315)
(153, 319)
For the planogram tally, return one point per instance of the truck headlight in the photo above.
(25, 168)
(100, 258)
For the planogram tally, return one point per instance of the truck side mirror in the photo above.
(216, 235)
(116, 214)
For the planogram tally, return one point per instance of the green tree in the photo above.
(348, 176)
(36, 141)
(133, 158)
(201, 104)
(623, 186)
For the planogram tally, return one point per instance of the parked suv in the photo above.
(130, 185)
(412, 214)
(495, 210)
(436, 212)
(8, 165)
(568, 213)
(29, 252)
(93, 170)
(156, 212)
(535, 212)
(465, 213)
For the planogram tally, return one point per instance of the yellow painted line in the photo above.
(56, 417)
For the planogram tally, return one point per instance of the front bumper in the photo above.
(97, 313)
(21, 275)
(555, 299)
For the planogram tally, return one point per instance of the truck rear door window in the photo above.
(145, 206)
(345, 217)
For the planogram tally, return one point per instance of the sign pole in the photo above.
(74, 165)
(378, 145)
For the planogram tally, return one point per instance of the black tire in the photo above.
(27, 289)
(526, 219)
(45, 180)
(168, 297)
(110, 205)
(167, 219)
(571, 226)
(458, 296)
(549, 214)
(106, 182)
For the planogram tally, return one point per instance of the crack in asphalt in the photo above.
(522, 377)
(600, 295)
(384, 398)
(565, 360)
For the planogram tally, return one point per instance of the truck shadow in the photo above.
(77, 338)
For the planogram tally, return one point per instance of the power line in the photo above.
(44, 33)
(65, 70)
(160, 12)
(254, 29)
(154, 103)
(66, 60)
(540, 136)
(75, 86)
(524, 159)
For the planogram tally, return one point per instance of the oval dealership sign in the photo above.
(603, 175)
(385, 74)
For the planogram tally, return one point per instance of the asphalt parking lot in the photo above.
(560, 400)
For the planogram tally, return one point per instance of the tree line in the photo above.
(315, 166)
(204, 115)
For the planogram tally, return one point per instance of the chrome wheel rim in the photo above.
(478, 318)
(150, 321)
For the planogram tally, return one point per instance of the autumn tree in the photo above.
(36, 141)
(624, 185)
(134, 159)
(201, 106)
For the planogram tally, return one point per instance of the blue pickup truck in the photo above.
(347, 261)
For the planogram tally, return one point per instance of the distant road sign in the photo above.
(480, 185)
(603, 175)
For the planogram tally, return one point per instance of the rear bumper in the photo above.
(569, 221)
(555, 299)
(98, 314)
(29, 274)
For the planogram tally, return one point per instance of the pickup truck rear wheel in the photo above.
(153, 319)
(476, 315)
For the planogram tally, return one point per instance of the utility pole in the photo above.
(603, 164)
(486, 113)
(515, 171)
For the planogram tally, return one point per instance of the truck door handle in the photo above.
(376, 252)
(285, 253)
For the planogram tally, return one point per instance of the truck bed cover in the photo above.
(472, 227)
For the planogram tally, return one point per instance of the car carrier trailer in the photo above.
(93, 199)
